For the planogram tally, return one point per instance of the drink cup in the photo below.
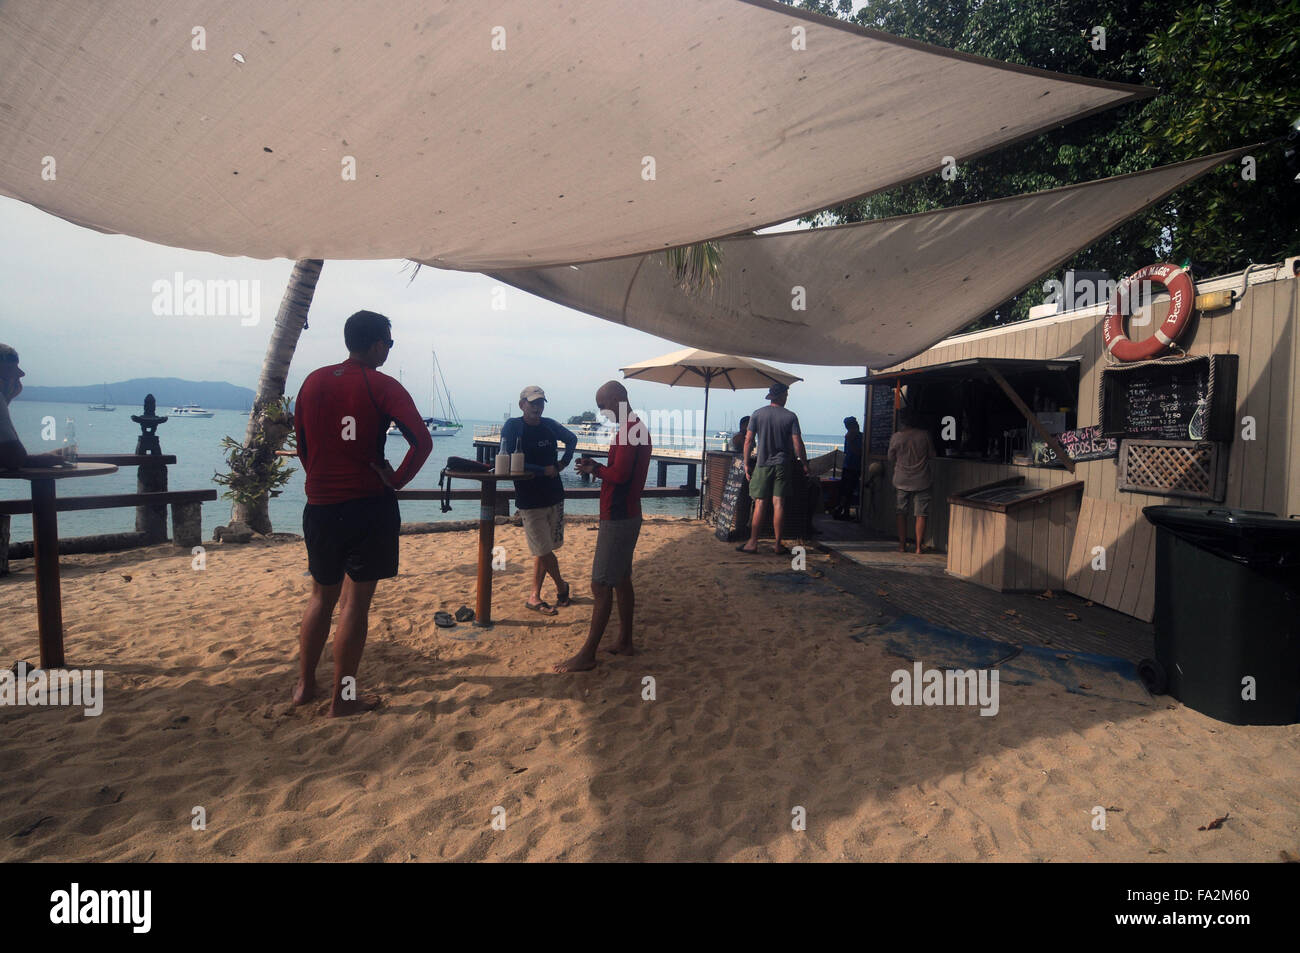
(503, 464)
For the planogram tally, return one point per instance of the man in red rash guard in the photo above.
(622, 481)
(351, 520)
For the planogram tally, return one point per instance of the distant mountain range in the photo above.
(169, 392)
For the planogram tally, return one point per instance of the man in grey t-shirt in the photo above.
(780, 447)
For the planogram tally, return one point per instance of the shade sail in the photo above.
(473, 158)
(691, 367)
(874, 293)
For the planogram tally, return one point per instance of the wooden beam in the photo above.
(1031, 417)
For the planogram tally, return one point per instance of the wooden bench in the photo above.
(187, 522)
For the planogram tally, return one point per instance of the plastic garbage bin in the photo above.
(1227, 613)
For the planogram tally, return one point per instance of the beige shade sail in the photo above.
(691, 367)
(481, 134)
(872, 293)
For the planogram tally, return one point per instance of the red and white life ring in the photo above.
(1182, 293)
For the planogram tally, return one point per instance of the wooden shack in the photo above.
(979, 390)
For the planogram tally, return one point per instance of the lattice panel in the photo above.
(1173, 468)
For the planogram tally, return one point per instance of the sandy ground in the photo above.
(762, 704)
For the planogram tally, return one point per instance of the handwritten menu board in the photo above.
(1167, 400)
(882, 419)
(733, 512)
(1087, 443)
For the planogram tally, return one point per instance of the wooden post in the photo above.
(4, 544)
(487, 527)
(151, 520)
(661, 473)
(45, 545)
(690, 475)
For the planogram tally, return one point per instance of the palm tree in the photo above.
(255, 470)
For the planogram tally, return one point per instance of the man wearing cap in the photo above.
(12, 452)
(541, 499)
(780, 447)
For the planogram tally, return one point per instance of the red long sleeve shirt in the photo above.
(340, 417)
(623, 479)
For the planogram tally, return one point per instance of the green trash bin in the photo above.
(1227, 613)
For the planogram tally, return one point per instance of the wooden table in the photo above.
(487, 531)
(45, 545)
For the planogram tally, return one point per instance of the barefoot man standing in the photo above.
(622, 481)
(351, 521)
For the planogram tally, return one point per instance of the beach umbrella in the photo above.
(691, 367)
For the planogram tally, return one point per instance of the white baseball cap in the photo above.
(531, 393)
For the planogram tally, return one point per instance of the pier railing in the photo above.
(678, 446)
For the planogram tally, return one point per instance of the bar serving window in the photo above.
(993, 409)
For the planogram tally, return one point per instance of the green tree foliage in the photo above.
(1229, 76)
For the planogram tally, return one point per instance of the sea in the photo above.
(196, 444)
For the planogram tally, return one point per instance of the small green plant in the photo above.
(256, 472)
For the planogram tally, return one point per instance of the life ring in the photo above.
(1182, 294)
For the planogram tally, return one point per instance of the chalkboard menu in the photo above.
(733, 513)
(1187, 399)
(1087, 443)
(882, 418)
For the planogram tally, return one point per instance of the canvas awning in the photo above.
(873, 293)
(477, 158)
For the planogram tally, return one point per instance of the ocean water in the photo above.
(196, 444)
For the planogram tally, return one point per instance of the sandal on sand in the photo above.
(543, 607)
(562, 601)
(748, 552)
(782, 551)
(443, 620)
(464, 614)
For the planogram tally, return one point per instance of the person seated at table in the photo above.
(13, 454)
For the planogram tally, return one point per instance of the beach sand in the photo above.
(763, 704)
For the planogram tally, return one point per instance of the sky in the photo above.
(79, 305)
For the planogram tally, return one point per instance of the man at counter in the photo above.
(910, 452)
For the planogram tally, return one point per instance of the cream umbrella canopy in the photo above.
(691, 367)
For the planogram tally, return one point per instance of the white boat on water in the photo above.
(105, 404)
(447, 425)
(190, 410)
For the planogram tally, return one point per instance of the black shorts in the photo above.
(358, 537)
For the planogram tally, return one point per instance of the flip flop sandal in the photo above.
(543, 607)
(443, 620)
(562, 601)
(464, 614)
(782, 551)
(747, 552)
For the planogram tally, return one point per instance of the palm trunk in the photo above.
(289, 322)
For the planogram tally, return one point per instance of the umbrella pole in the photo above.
(704, 449)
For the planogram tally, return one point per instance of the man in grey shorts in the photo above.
(910, 452)
(621, 483)
(541, 499)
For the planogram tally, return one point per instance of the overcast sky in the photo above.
(78, 306)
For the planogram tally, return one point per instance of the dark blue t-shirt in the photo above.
(540, 445)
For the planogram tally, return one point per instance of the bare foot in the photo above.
(579, 663)
(341, 709)
(303, 693)
(622, 647)
(902, 547)
(920, 550)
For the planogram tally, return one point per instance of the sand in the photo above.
(763, 704)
